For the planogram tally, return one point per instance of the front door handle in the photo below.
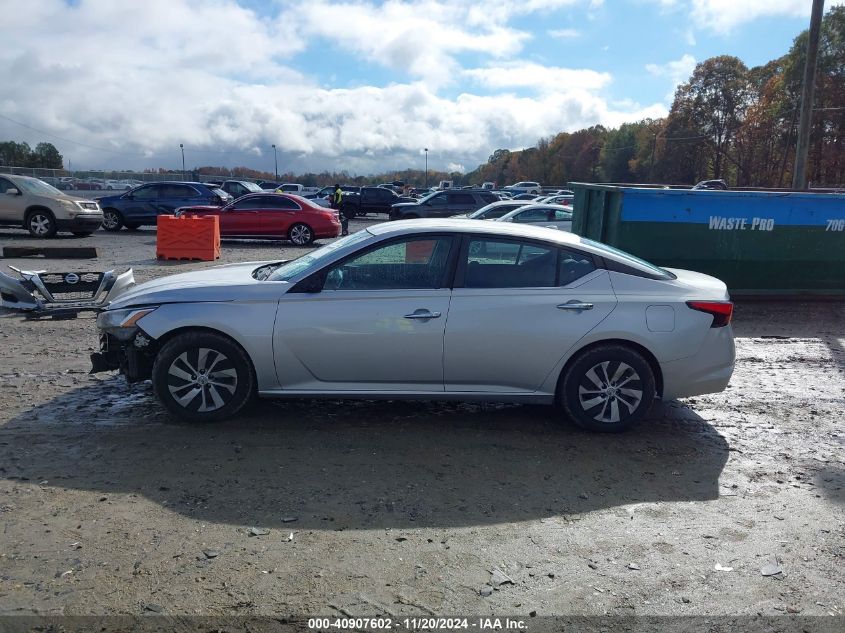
(575, 305)
(422, 314)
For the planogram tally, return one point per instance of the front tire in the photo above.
(112, 220)
(607, 389)
(301, 234)
(41, 223)
(203, 377)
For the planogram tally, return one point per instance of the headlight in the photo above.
(122, 323)
(87, 206)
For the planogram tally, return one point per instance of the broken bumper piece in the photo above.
(40, 294)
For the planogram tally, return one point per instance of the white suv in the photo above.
(525, 187)
(43, 210)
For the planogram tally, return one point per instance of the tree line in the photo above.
(44, 155)
(727, 121)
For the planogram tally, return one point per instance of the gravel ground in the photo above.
(108, 506)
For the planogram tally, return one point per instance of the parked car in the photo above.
(406, 310)
(143, 205)
(548, 215)
(442, 204)
(526, 196)
(290, 187)
(488, 185)
(273, 216)
(712, 185)
(370, 200)
(111, 185)
(494, 210)
(238, 188)
(43, 210)
(565, 199)
(128, 184)
(525, 187)
(66, 183)
(88, 184)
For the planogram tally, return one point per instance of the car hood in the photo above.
(232, 282)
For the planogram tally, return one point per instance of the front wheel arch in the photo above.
(209, 334)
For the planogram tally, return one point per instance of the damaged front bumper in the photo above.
(61, 295)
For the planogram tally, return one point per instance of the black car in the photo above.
(143, 205)
(370, 200)
(711, 185)
(443, 204)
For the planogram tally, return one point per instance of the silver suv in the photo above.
(43, 210)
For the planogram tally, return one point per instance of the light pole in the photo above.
(182, 147)
(276, 161)
(425, 149)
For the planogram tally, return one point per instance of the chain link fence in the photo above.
(109, 180)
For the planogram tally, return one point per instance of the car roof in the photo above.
(452, 225)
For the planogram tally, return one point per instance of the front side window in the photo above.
(146, 193)
(437, 200)
(408, 264)
(461, 198)
(495, 263)
(177, 191)
(6, 185)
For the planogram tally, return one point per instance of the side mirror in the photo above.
(12, 192)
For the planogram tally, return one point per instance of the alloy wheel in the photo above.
(202, 379)
(40, 224)
(300, 235)
(610, 391)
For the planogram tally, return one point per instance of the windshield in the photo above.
(38, 187)
(315, 259)
(252, 186)
(628, 258)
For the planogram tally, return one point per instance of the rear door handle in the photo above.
(575, 305)
(422, 314)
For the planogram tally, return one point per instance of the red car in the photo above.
(273, 216)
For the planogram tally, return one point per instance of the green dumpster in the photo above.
(757, 242)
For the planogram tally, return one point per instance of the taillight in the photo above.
(722, 311)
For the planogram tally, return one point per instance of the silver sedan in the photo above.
(552, 216)
(429, 309)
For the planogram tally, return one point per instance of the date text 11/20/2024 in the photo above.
(414, 624)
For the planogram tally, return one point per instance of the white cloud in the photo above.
(564, 34)
(677, 71)
(140, 78)
(723, 16)
(540, 78)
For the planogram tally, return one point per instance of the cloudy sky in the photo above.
(357, 84)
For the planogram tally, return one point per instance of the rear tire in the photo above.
(607, 389)
(112, 220)
(203, 377)
(41, 223)
(301, 234)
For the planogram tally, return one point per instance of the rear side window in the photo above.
(573, 265)
(177, 191)
(489, 197)
(509, 264)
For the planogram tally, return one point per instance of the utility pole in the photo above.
(426, 167)
(276, 162)
(799, 176)
(182, 147)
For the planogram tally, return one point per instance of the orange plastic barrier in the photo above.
(188, 237)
